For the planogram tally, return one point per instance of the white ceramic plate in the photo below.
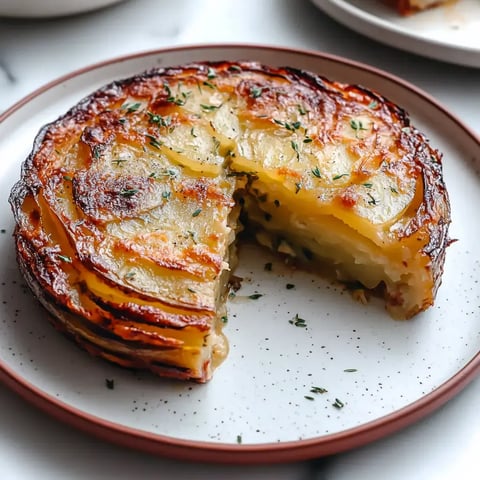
(450, 33)
(50, 8)
(385, 373)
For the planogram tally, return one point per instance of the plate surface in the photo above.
(449, 33)
(259, 407)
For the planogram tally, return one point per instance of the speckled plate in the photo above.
(449, 33)
(348, 376)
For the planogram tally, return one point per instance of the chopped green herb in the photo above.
(166, 195)
(307, 140)
(64, 258)
(191, 290)
(308, 397)
(350, 370)
(406, 130)
(197, 212)
(192, 132)
(337, 177)
(316, 172)
(372, 200)
(209, 85)
(302, 110)
(131, 107)
(239, 437)
(128, 192)
(129, 275)
(297, 321)
(338, 403)
(235, 68)
(357, 125)
(393, 190)
(154, 142)
(110, 383)
(159, 120)
(298, 187)
(320, 390)
(224, 319)
(97, 151)
(255, 296)
(368, 185)
(67, 178)
(209, 108)
(373, 104)
(211, 73)
(289, 286)
(256, 92)
(122, 121)
(118, 161)
(268, 267)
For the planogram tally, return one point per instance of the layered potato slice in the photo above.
(128, 207)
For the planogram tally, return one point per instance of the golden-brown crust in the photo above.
(65, 189)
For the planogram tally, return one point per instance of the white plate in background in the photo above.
(450, 33)
(386, 373)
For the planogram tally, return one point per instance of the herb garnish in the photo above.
(159, 120)
(209, 108)
(298, 187)
(337, 177)
(372, 200)
(368, 185)
(166, 195)
(67, 178)
(289, 286)
(256, 92)
(320, 390)
(308, 397)
(357, 125)
(295, 148)
(154, 142)
(131, 107)
(192, 132)
(316, 172)
(130, 275)
(255, 296)
(224, 319)
(64, 258)
(373, 104)
(197, 212)
(338, 403)
(211, 73)
(297, 321)
(118, 161)
(209, 85)
(239, 439)
(128, 192)
(110, 383)
(301, 110)
(350, 370)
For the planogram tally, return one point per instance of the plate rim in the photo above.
(437, 49)
(213, 452)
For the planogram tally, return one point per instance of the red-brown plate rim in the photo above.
(227, 453)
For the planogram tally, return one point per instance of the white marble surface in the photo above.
(33, 446)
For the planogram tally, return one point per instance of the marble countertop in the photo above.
(33, 446)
